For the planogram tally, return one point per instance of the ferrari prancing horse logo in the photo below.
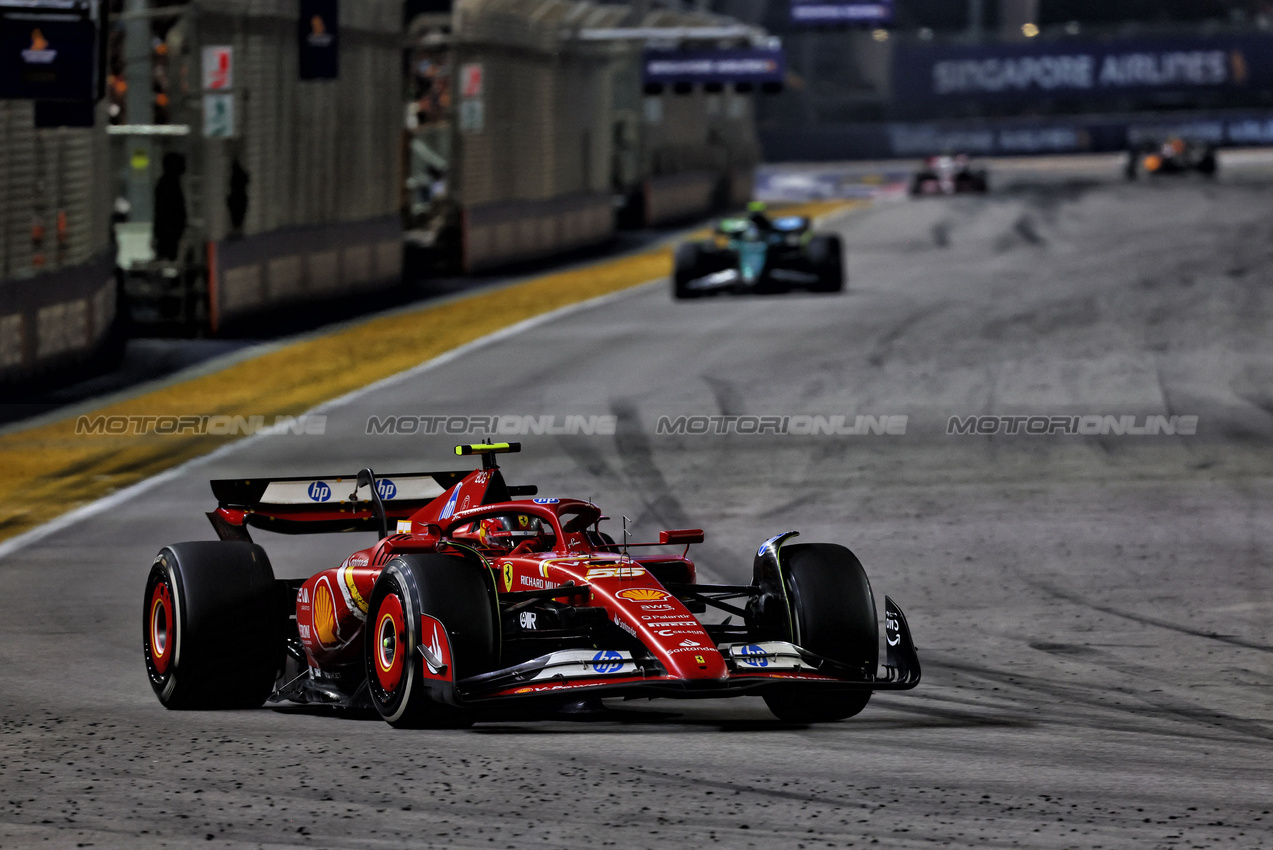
(508, 577)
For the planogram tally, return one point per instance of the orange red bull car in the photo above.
(479, 594)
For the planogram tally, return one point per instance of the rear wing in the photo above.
(324, 503)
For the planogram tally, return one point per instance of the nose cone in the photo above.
(665, 626)
(698, 661)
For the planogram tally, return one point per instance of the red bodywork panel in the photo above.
(332, 605)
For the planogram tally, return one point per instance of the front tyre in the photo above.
(826, 255)
(688, 268)
(212, 626)
(1208, 165)
(458, 594)
(833, 615)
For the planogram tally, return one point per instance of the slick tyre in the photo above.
(973, 182)
(213, 625)
(833, 614)
(688, 267)
(458, 594)
(826, 255)
(925, 184)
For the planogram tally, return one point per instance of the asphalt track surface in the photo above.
(1094, 613)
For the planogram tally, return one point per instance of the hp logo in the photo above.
(386, 488)
(607, 661)
(319, 492)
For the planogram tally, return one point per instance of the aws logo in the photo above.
(39, 53)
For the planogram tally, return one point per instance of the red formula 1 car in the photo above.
(482, 599)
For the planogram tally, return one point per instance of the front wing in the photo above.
(754, 669)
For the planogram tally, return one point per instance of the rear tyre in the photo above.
(833, 614)
(212, 626)
(976, 182)
(826, 255)
(1207, 165)
(457, 593)
(689, 264)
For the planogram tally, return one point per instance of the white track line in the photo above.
(15, 544)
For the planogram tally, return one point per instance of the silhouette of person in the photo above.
(170, 207)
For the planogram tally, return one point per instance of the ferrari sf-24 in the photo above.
(487, 596)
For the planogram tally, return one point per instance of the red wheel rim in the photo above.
(161, 632)
(390, 649)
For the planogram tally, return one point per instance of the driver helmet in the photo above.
(505, 532)
(496, 533)
(756, 212)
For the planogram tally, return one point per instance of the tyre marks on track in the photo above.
(883, 348)
(1106, 712)
(740, 788)
(1144, 619)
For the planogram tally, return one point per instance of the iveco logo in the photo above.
(319, 492)
(386, 488)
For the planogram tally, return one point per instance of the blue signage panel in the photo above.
(927, 76)
(834, 12)
(738, 65)
(318, 34)
(48, 54)
(1009, 137)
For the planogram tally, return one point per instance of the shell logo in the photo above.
(325, 615)
(643, 594)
